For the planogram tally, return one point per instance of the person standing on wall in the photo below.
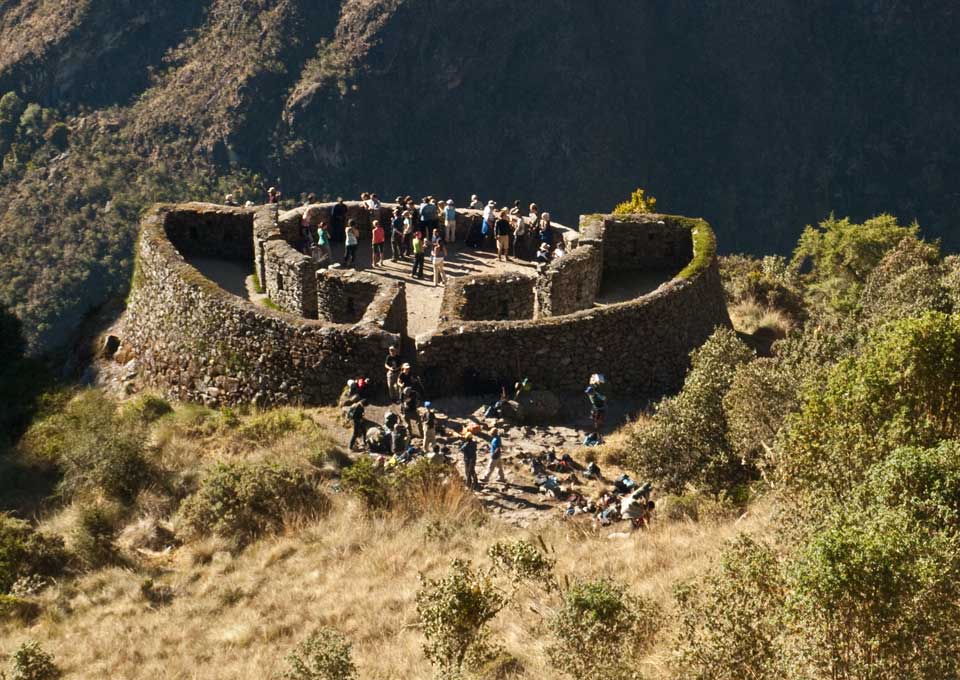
(417, 246)
(503, 231)
(489, 216)
(439, 256)
(450, 221)
(378, 237)
(323, 241)
(338, 220)
(352, 241)
(496, 459)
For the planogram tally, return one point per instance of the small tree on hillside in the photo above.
(324, 655)
(454, 612)
(601, 631)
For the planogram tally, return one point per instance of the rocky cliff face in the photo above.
(761, 117)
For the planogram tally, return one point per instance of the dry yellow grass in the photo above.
(238, 616)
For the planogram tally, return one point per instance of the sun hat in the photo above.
(492, 204)
(449, 201)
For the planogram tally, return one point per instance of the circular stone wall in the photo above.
(197, 342)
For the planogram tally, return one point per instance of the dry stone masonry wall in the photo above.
(198, 342)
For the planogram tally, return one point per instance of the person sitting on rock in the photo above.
(543, 256)
(273, 196)
(559, 252)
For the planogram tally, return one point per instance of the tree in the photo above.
(686, 440)
(842, 254)
(906, 282)
(903, 389)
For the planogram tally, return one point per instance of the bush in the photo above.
(908, 281)
(601, 631)
(148, 408)
(686, 440)
(902, 390)
(639, 203)
(324, 655)
(17, 609)
(94, 535)
(729, 623)
(454, 613)
(369, 482)
(523, 564)
(97, 450)
(265, 428)
(25, 552)
(30, 662)
(242, 501)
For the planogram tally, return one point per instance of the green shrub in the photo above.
(242, 501)
(18, 609)
(367, 481)
(454, 613)
(94, 535)
(31, 662)
(729, 623)
(148, 408)
(25, 552)
(522, 563)
(908, 281)
(268, 426)
(324, 655)
(601, 631)
(97, 450)
(902, 390)
(639, 203)
(686, 440)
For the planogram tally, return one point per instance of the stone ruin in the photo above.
(196, 341)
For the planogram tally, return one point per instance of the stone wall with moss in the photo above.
(642, 345)
(571, 283)
(349, 297)
(197, 342)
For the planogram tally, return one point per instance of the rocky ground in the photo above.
(518, 501)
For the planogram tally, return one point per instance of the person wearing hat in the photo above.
(598, 410)
(273, 196)
(450, 221)
(489, 216)
(475, 202)
(496, 460)
(230, 200)
(543, 255)
(404, 380)
(469, 450)
(392, 365)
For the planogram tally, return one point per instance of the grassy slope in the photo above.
(237, 616)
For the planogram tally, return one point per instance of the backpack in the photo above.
(354, 412)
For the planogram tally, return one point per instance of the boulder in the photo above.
(538, 406)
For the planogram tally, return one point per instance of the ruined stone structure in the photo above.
(196, 341)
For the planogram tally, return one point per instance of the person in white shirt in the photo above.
(475, 203)
(559, 252)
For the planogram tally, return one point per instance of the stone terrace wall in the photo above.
(642, 345)
(197, 342)
(502, 296)
(290, 278)
(346, 296)
(572, 282)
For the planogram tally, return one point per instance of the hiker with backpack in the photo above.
(496, 459)
(598, 410)
(356, 416)
(411, 410)
(469, 451)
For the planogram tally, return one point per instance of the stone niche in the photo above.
(343, 296)
(490, 297)
(223, 232)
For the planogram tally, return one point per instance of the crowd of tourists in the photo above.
(420, 230)
(413, 430)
